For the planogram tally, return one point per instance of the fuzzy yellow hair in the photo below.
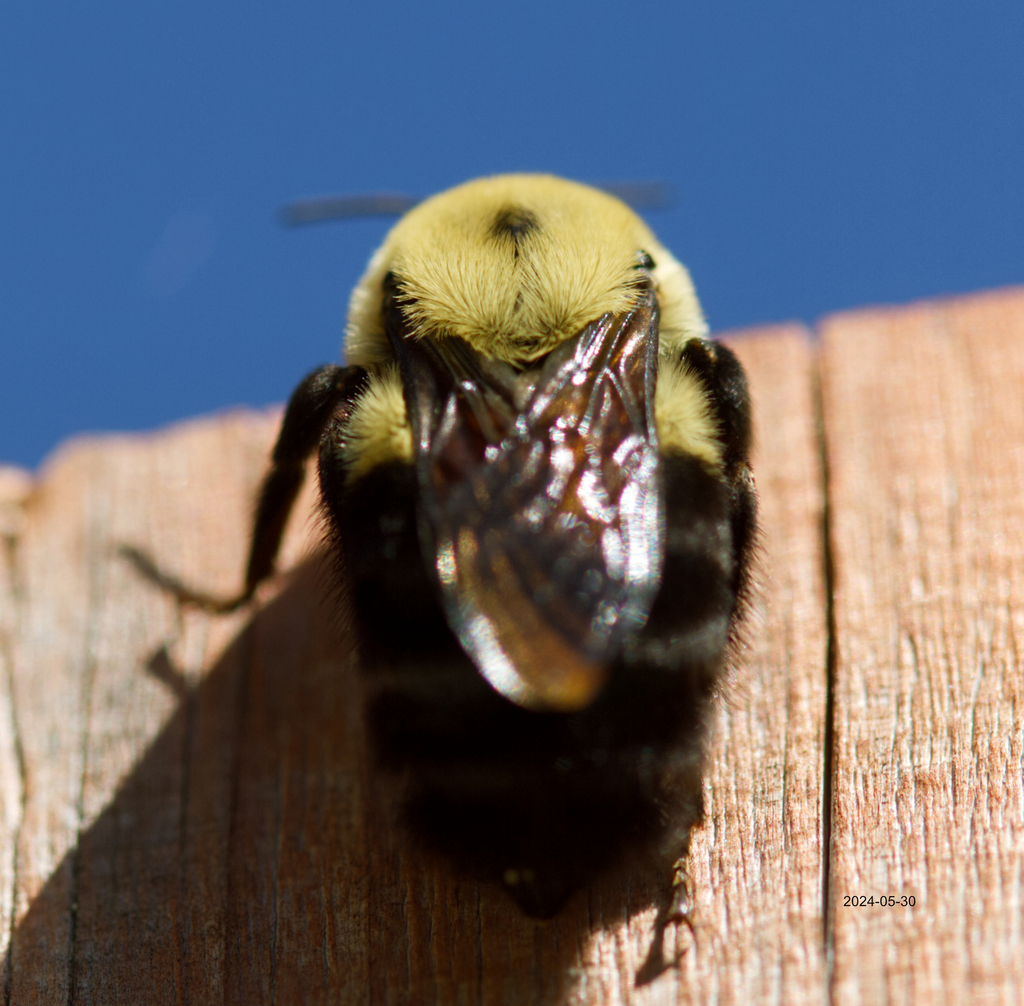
(514, 265)
(683, 415)
(379, 429)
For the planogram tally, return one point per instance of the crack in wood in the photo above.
(831, 657)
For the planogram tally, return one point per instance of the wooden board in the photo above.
(925, 432)
(187, 812)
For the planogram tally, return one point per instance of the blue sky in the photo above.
(825, 156)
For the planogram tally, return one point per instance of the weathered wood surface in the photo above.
(924, 423)
(187, 814)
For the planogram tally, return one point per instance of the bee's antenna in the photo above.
(642, 196)
(321, 209)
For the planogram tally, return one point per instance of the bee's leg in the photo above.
(680, 904)
(677, 910)
(311, 407)
(726, 383)
(687, 789)
(686, 808)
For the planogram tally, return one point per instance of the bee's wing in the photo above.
(541, 506)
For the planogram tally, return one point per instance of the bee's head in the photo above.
(515, 265)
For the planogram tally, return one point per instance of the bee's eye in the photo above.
(644, 261)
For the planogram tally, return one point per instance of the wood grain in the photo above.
(15, 486)
(925, 434)
(188, 813)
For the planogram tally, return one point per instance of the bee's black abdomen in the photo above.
(543, 845)
(688, 627)
(537, 801)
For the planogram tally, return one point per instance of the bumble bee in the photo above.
(534, 469)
